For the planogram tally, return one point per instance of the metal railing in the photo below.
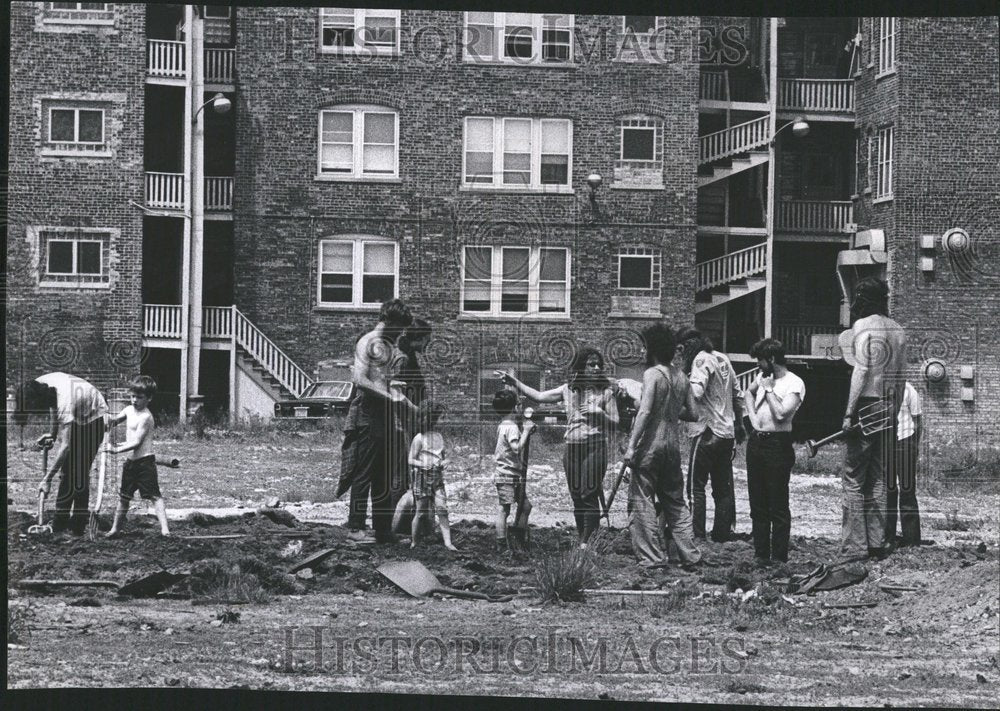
(730, 267)
(816, 94)
(797, 337)
(165, 58)
(220, 65)
(814, 215)
(165, 190)
(218, 193)
(734, 140)
(161, 320)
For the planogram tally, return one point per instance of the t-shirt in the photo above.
(760, 412)
(910, 408)
(77, 401)
(578, 426)
(510, 468)
(713, 372)
(430, 456)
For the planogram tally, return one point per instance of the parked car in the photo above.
(322, 399)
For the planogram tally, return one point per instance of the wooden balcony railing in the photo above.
(816, 95)
(165, 58)
(161, 320)
(730, 267)
(746, 378)
(165, 190)
(217, 322)
(218, 193)
(813, 215)
(220, 66)
(734, 140)
(797, 337)
(713, 85)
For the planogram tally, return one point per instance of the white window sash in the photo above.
(78, 8)
(76, 126)
(887, 45)
(228, 15)
(497, 281)
(358, 142)
(357, 272)
(361, 17)
(501, 22)
(75, 257)
(535, 177)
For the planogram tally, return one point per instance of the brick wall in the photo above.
(94, 332)
(282, 212)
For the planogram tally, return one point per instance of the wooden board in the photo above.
(313, 559)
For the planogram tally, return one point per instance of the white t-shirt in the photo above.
(911, 407)
(76, 400)
(760, 412)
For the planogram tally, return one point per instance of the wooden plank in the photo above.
(220, 536)
(313, 559)
(67, 583)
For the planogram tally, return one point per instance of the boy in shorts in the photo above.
(139, 471)
(513, 437)
(427, 464)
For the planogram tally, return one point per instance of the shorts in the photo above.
(511, 493)
(140, 474)
(424, 482)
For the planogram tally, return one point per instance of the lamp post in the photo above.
(800, 127)
(594, 181)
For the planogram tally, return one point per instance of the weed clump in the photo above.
(564, 576)
(952, 522)
(247, 579)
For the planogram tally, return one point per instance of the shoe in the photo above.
(355, 526)
(878, 553)
(761, 563)
(386, 538)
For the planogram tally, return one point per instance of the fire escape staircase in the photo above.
(720, 280)
(733, 150)
(266, 360)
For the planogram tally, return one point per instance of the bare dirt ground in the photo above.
(939, 645)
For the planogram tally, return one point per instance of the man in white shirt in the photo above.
(771, 402)
(901, 489)
(77, 414)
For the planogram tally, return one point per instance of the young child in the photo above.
(427, 464)
(513, 438)
(139, 471)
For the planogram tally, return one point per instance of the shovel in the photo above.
(41, 528)
(414, 579)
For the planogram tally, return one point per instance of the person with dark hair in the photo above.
(771, 402)
(715, 399)
(510, 477)
(591, 414)
(654, 455)
(427, 459)
(877, 383)
(77, 415)
(374, 442)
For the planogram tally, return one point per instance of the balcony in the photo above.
(817, 98)
(814, 216)
(165, 191)
(720, 89)
(164, 321)
(797, 337)
(166, 62)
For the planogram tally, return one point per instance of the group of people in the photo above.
(393, 448)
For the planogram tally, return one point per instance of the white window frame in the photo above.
(644, 38)
(640, 121)
(534, 281)
(76, 257)
(357, 243)
(535, 183)
(78, 15)
(537, 27)
(357, 173)
(654, 267)
(888, 28)
(886, 147)
(41, 237)
(76, 144)
(227, 16)
(361, 16)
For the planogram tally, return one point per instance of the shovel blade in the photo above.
(411, 577)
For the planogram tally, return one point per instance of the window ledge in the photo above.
(324, 178)
(81, 21)
(362, 51)
(547, 190)
(541, 318)
(634, 314)
(348, 308)
(63, 153)
(73, 285)
(886, 73)
(661, 186)
(531, 64)
(885, 198)
(854, 197)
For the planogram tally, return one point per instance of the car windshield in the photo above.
(335, 389)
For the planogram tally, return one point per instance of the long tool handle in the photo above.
(41, 507)
(102, 469)
(814, 445)
(614, 490)
(469, 594)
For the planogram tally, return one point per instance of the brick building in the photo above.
(298, 165)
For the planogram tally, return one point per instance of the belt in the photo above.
(766, 435)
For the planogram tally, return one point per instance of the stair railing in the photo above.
(741, 138)
(731, 267)
(274, 360)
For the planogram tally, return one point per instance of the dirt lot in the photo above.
(701, 642)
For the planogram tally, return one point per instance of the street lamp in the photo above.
(800, 127)
(220, 105)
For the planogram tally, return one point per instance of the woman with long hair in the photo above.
(591, 415)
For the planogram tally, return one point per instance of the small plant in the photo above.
(564, 576)
(952, 522)
(17, 623)
(739, 686)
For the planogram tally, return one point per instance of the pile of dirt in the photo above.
(966, 595)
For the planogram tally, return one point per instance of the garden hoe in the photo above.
(41, 528)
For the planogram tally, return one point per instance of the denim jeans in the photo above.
(866, 466)
(665, 486)
(770, 457)
(712, 459)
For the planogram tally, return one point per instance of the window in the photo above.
(515, 280)
(78, 13)
(220, 12)
(518, 37)
(73, 129)
(517, 153)
(344, 29)
(884, 152)
(641, 140)
(72, 257)
(359, 142)
(887, 44)
(638, 268)
(859, 162)
(357, 272)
